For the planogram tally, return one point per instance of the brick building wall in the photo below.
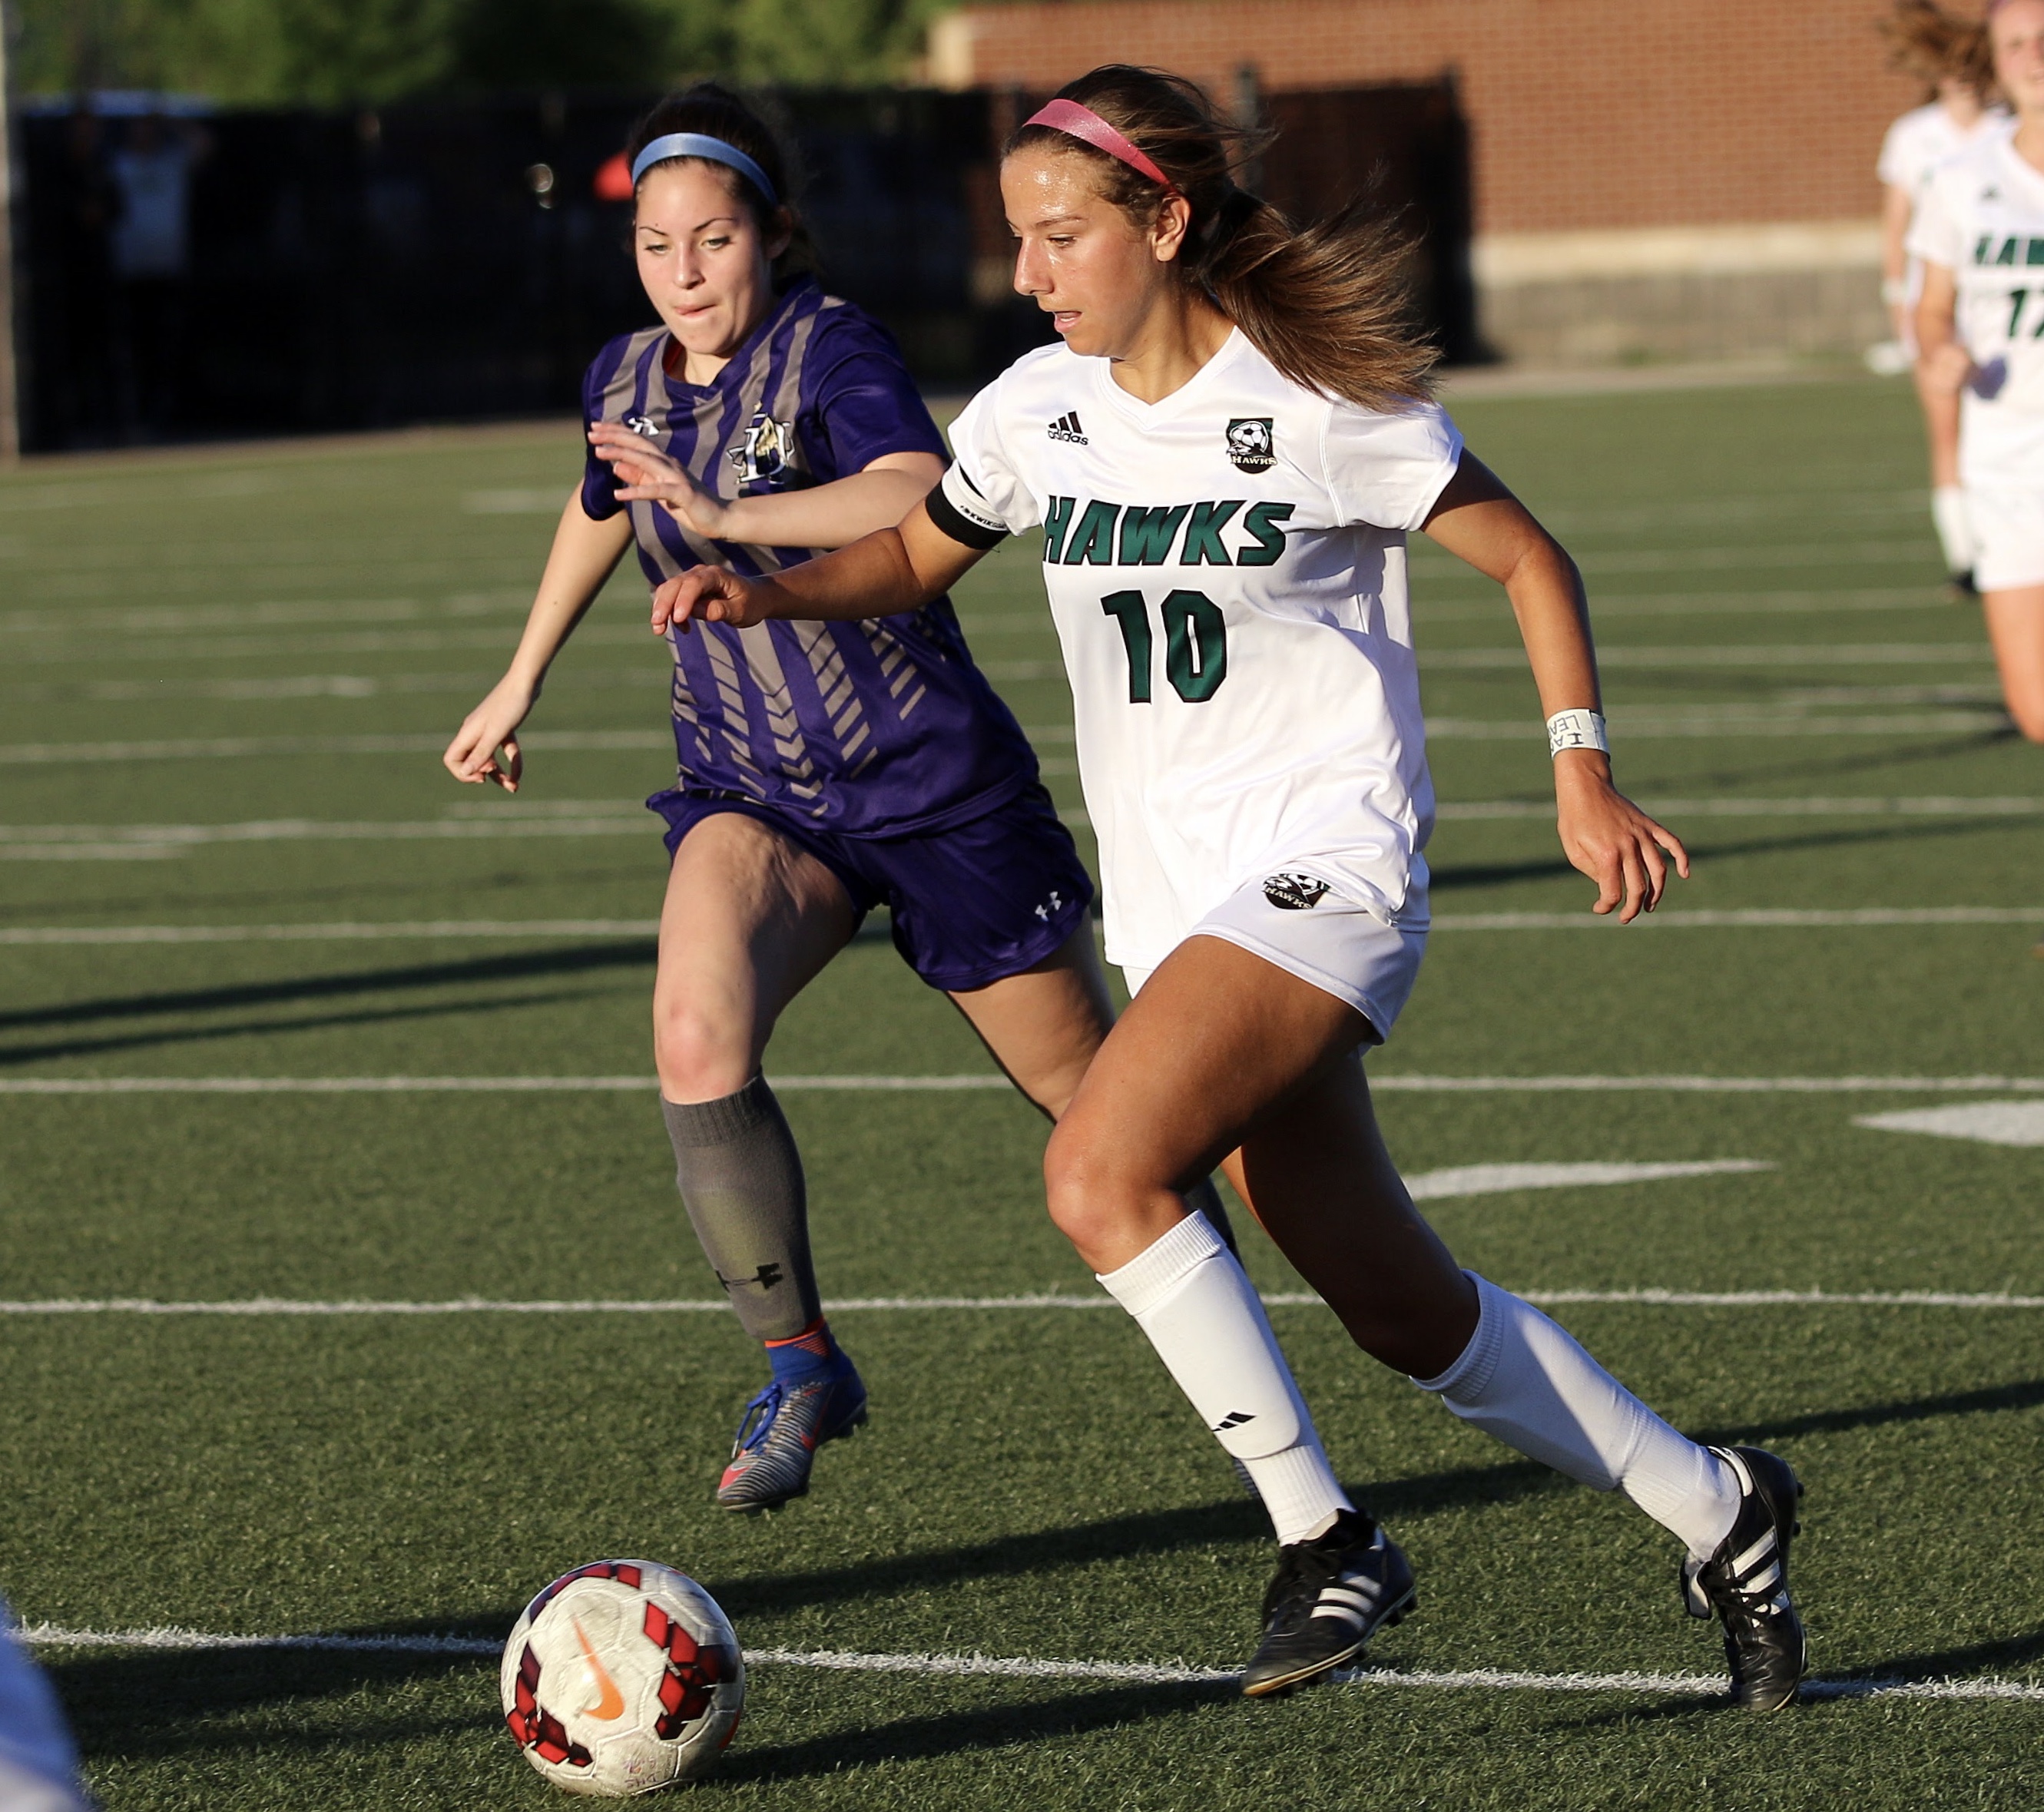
(1586, 114)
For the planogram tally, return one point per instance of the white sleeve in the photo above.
(1388, 470)
(1895, 166)
(1937, 234)
(983, 483)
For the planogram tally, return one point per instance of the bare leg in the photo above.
(2015, 627)
(1044, 1026)
(750, 921)
(1223, 1049)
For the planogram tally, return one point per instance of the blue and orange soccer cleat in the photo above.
(780, 1433)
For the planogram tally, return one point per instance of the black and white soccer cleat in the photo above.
(1330, 1597)
(1744, 1584)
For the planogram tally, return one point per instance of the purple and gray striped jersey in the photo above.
(883, 727)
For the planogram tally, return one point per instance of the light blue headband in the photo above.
(702, 144)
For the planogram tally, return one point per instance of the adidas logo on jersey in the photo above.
(1066, 428)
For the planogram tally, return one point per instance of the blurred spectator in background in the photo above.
(38, 1765)
(1951, 56)
(150, 255)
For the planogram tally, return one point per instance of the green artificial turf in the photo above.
(1030, 1485)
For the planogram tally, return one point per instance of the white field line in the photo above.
(2010, 805)
(292, 1307)
(132, 842)
(1002, 1667)
(1754, 655)
(229, 747)
(369, 932)
(1700, 605)
(1410, 1083)
(1750, 917)
(1746, 918)
(1677, 721)
(1502, 1179)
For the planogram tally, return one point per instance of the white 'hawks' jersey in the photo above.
(1227, 571)
(1925, 138)
(1982, 218)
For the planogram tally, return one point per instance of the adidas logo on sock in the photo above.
(1066, 428)
(1234, 1419)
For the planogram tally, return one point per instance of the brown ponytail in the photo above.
(1926, 41)
(1326, 304)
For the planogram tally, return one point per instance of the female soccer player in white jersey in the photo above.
(821, 771)
(1979, 234)
(1222, 461)
(1951, 55)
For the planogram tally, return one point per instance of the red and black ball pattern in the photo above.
(693, 1670)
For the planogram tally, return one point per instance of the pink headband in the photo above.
(1076, 121)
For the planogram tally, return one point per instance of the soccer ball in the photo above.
(622, 1678)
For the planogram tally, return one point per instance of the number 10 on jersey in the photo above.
(1195, 642)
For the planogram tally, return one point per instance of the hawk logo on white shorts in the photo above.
(1249, 443)
(1294, 893)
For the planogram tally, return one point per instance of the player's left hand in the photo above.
(651, 476)
(708, 594)
(1610, 839)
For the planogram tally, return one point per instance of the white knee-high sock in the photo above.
(1189, 1293)
(1955, 528)
(1529, 1382)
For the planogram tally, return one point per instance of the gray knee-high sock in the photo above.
(741, 1181)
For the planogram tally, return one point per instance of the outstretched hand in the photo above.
(708, 594)
(486, 746)
(1610, 840)
(651, 476)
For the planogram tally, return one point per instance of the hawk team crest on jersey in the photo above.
(1295, 892)
(1249, 443)
(764, 452)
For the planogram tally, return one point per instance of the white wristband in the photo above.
(1576, 730)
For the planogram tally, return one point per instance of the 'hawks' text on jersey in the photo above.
(1227, 572)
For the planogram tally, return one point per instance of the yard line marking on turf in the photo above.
(265, 1307)
(1411, 1083)
(145, 842)
(368, 931)
(1005, 1667)
(1745, 918)
(1755, 655)
(1498, 1179)
(1986, 1122)
(197, 748)
(2010, 805)
(1678, 722)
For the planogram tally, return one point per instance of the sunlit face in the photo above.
(1082, 260)
(706, 265)
(2018, 35)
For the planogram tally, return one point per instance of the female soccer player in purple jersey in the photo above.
(1224, 460)
(824, 768)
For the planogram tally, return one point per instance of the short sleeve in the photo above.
(866, 401)
(1937, 235)
(599, 483)
(983, 481)
(1894, 169)
(1388, 469)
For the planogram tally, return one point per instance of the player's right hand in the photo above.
(708, 594)
(486, 746)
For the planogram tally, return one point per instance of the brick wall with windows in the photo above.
(1587, 114)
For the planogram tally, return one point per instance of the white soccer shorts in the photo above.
(2008, 529)
(1294, 920)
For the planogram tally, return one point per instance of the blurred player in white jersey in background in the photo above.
(1980, 236)
(1950, 55)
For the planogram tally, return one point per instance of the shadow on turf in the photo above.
(575, 959)
(580, 959)
(266, 1028)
